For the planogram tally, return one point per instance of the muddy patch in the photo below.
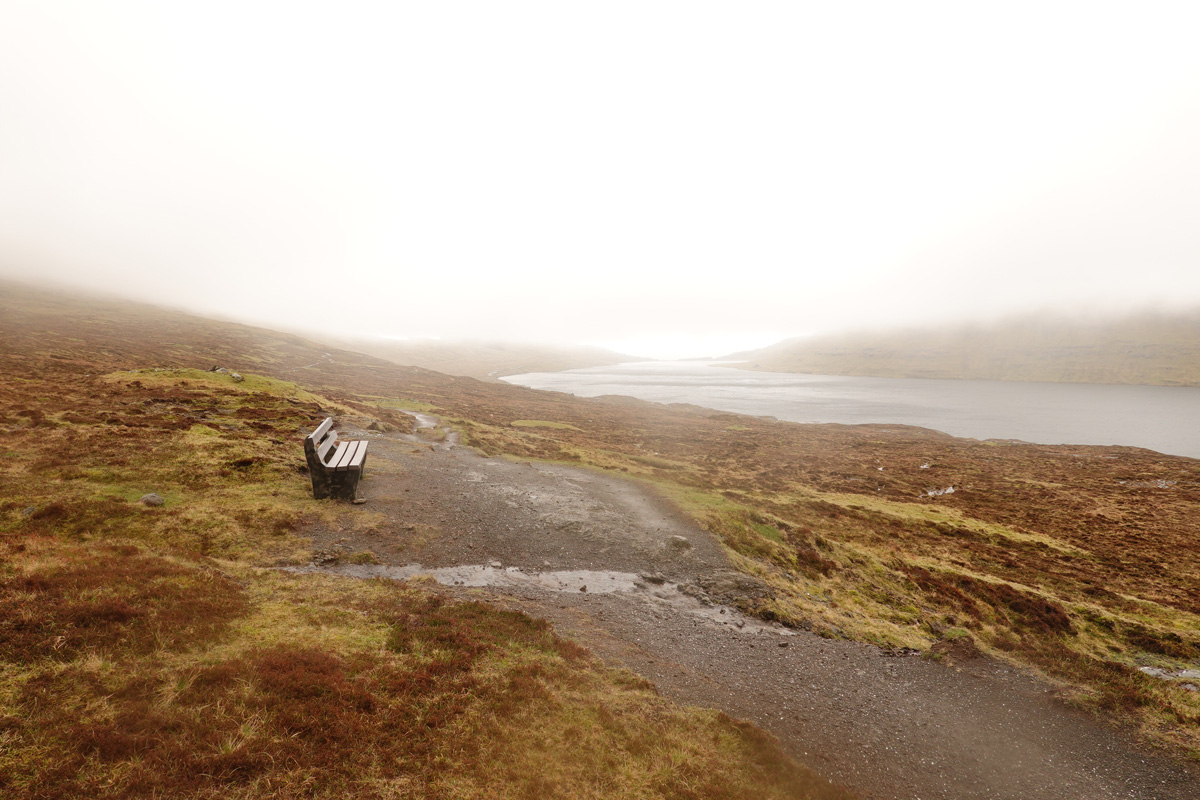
(427, 424)
(700, 599)
(537, 517)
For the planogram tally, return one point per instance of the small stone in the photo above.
(325, 558)
(583, 588)
(783, 644)
(236, 377)
(495, 565)
(29, 512)
(546, 564)
(358, 501)
(656, 578)
(151, 500)
(679, 543)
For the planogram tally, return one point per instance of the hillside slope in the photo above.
(484, 360)
(1144, 349)
(1080, 562)
(148, 648)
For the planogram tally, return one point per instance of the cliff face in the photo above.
(1144, 349)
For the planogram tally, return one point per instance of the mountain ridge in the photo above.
(482, 359)
(1142, 349)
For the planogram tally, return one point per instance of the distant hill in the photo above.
(484, 360)
(174, 338)
(1159, 349)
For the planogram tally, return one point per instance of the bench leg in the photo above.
(320, 484)
(320, 478)
(345, 485)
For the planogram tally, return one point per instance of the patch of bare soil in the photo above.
(887, 724)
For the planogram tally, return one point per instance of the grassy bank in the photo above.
(149, 651)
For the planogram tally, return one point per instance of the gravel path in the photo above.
(620, 570)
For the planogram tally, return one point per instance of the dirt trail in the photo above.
(624, 573)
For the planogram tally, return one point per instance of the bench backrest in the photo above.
(319, 443)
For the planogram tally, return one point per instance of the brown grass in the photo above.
(1041, 550)
(1032, 533)
(463, 701)
(110, 598)
(1074, 560)
(144, 654)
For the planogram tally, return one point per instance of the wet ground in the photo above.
(621, 571)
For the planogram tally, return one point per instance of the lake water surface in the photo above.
(1162, 418)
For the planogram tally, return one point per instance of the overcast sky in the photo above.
(666, 178)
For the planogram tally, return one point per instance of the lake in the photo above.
(1162, 418)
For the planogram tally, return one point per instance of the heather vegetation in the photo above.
(143, 641)
(151, 651)
(1081, 562)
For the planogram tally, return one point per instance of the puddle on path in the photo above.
(428, 421)
(423, 420)
(666, 595)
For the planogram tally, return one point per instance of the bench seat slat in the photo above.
(337, 458)
(343, 453)
(350, 454)
(357, 459)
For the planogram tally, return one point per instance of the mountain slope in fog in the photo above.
(485, 360)
(1144, 349)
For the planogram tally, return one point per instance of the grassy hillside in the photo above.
(148, 651)
(1145, 349)
(486, 360)
(1081, 562)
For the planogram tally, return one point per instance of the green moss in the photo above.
(202, 379)
(402, 404)
(541, 423)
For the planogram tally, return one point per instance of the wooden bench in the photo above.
(336, 467)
